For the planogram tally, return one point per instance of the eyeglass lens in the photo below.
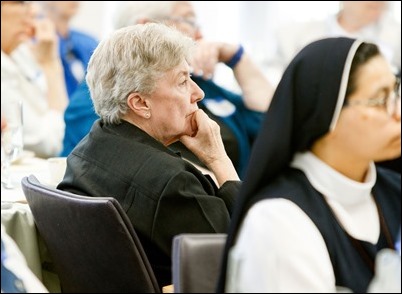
(394, 100)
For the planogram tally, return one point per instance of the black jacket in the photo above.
(162, 194)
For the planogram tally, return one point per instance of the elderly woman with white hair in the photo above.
(239, 115)
(141, 88)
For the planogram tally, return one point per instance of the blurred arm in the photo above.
(257, 91)
(45, 49)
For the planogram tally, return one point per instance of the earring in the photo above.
(147, 115)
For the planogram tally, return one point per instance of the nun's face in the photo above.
(370, 126)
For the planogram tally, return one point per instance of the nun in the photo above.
(314, 210)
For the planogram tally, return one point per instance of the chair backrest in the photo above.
(196, 260)
(91, 241)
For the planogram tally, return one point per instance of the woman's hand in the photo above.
(206, 143)
(45, 42)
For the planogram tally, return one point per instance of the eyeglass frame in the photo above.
(394, 97)
(19, 2)
(191, 22)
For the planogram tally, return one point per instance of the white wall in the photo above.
(94, 18)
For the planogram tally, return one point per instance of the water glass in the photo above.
(11, 139)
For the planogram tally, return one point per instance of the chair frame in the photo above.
(196, 260)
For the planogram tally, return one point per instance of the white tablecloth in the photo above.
(24, 167)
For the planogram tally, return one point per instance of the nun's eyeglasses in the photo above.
(390, 103)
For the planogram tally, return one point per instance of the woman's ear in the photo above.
(143, 20)
(138, 104)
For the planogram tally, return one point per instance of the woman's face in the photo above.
(365, 12)
(173, 104)
(183, 17)
(62, 9)
(16, 24)
(368, 131)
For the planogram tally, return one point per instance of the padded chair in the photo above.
(196, 260)
(91, 241)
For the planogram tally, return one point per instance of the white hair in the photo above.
(132, 59)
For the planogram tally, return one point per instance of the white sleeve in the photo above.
(43, 126)
(44, 131)
(279, 249)
(16, 263)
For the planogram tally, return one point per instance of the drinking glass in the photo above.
(11, 139)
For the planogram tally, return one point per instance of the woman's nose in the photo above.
(197, 94)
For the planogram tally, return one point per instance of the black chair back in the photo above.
(91, 241)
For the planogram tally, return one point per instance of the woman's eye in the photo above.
(383, 95)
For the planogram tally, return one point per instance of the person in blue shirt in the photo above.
(239, 116)
(75, 47)
(16, 276)
(79, 117)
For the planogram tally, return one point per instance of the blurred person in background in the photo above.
(16, 276)
(314, 211)
(239, 116)
(75, 46)
(371, 21)
(31, 72)
(146, 100)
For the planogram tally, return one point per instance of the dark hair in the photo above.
(364, 53)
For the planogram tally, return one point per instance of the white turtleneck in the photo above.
(279, 249)
(351, 201)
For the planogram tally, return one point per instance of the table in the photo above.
(19, 223)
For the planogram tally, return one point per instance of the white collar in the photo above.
(332, 184)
